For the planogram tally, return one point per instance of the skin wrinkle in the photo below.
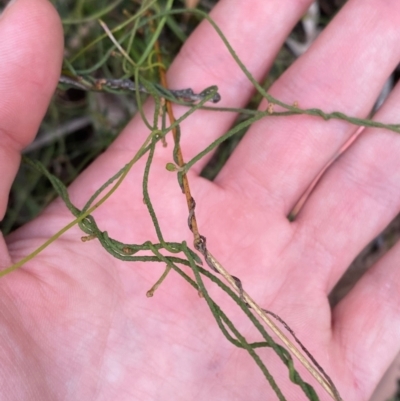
(360, 371)
(327, 255)
(344, 332)
(369, 191)
(25, 353)
(367, 176)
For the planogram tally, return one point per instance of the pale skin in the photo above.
(76, 324)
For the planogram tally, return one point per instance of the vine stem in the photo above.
(180, 160)
(328, 386)
(83, 215)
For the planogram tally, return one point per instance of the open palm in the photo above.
(75, 322)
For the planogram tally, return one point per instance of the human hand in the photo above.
(75, 322)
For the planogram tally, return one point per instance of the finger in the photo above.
(203, 61)
(256, 30)
(343, 71)
(31, 49)
(371, 310)
(357, 197)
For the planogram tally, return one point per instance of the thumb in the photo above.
(31, 47)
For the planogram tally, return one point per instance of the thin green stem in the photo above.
(215, 310)
(81, 216)
(94, 16)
